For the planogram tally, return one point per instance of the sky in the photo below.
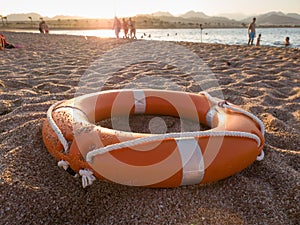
(110, 8)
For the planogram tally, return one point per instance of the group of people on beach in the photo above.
(252, 33)
(127, 26)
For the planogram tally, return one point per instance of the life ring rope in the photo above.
(55, 128)
(224, 104)
(255, 118)
(259, 122)
(87, 177)
(90, 155)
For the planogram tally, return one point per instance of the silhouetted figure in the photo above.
(251, 31)
(287, 41)
(131, 25)
(117, 26)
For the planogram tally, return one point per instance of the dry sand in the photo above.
(33, 190)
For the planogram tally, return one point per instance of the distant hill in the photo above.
(294, 15)
(61, 17)
(23, 16)
(234, 16)
(36, 17)
(193, 14)
(159, 14)
(225, 20)
(155, 20)
(276, 19)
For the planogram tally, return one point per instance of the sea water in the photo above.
(234, 36)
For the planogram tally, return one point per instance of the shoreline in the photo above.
(48, 68)
(111, 36)
(162, 28)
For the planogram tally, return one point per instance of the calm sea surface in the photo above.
(236, 36)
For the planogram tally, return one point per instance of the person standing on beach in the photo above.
(42, 27)
(125, 27)
(131, 25)
(117, 26)
(251, 31)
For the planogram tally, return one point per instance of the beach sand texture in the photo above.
(34, 190)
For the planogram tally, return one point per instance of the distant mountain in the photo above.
(62, 17)
(160, 14)
(234, 16)
(190, 19)
(276, 19)
(36, 17)
(278, 13)
(23, 16)
(193, 14)
(294, 15)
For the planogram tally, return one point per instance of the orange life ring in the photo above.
(235, 140)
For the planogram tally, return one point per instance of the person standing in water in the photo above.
(258, 40)
(286, 41)
(251, 31)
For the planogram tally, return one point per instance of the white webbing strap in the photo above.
(191, 160)
(55, 128)
(160, 137)
(139, 101)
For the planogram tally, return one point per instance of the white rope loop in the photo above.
(55, 128)
(87, 177)
(63, 164)
(224, 104)
(261, 156)
(258, 121)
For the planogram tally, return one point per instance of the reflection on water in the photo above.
(270, 36)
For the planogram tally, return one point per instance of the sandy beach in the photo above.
(47, 68)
